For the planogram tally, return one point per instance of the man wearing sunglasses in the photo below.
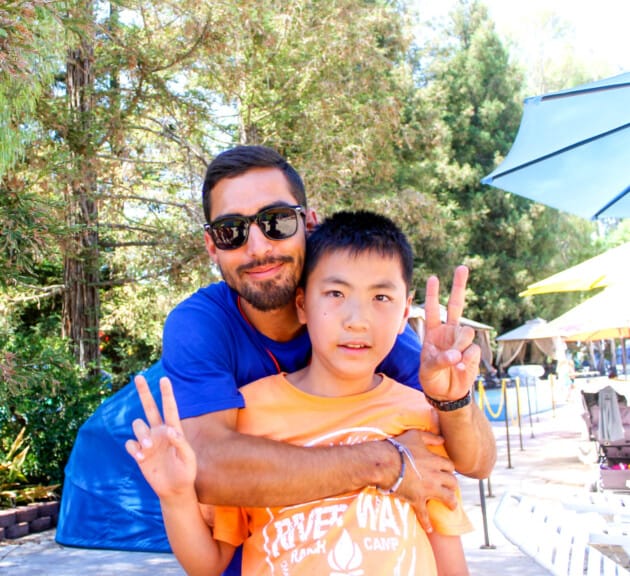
(237, 331)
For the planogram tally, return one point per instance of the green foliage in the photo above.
(14, 488)
(121, 156)
(29, 39)
(12, 463)
(28, 224)
(321, 82)
(42, 391)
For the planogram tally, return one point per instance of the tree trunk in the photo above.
(81, 307)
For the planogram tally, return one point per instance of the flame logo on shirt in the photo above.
(345, 558)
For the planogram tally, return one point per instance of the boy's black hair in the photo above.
(359, 232)
(239, 160)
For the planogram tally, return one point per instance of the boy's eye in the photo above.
(383, 298)
(334, 294)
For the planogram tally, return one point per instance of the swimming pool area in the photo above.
(520, 396)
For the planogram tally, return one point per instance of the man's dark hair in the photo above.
(239, 160)
(358, 232)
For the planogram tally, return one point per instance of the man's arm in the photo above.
(448, 368)
(241, 470)
(469, 441)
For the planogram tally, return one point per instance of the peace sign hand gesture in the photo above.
(163, 454)
(449, 359)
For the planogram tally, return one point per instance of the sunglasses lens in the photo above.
(229, 233)
(278, 223)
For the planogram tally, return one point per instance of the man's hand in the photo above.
(429, 477)
(449, 362)
(165, 458)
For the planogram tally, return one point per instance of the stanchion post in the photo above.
(518, 411)
(482, 498)
(507, 424)
(529, 408)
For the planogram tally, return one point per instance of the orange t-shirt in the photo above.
(362, 533)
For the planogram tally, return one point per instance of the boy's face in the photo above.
(264, 272)
(354, 308)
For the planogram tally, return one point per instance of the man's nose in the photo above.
(257, 243)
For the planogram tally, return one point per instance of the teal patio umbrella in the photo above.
(572, 150)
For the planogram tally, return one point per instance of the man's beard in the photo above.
(268, 295)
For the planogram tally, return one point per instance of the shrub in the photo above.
(43, 391)
(14, 488)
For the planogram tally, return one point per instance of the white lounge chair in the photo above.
(559, 538)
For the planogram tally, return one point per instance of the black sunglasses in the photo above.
(275, 222)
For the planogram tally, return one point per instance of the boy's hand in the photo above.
(449, 362)
(163, 454)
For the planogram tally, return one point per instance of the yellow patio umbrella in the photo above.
(606, 269)
(602, 317)
(605, 316)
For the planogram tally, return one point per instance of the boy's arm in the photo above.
(168, 463)
(449, 555)
(191, 538)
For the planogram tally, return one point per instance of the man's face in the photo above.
(354, 307)
(264, 272)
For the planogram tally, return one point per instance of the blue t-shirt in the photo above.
(210, 350)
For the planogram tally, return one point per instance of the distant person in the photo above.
(355, 301)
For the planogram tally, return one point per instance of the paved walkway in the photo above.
(556, 460)
(553, 461)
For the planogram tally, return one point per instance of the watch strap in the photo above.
(449, 405)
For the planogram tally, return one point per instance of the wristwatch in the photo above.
(449, 405)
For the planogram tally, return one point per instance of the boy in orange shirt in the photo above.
(355, 300)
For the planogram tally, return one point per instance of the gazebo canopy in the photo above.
(544, 337)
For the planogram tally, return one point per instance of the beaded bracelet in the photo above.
(402, 450)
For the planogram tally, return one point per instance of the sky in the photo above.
(599, 28)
